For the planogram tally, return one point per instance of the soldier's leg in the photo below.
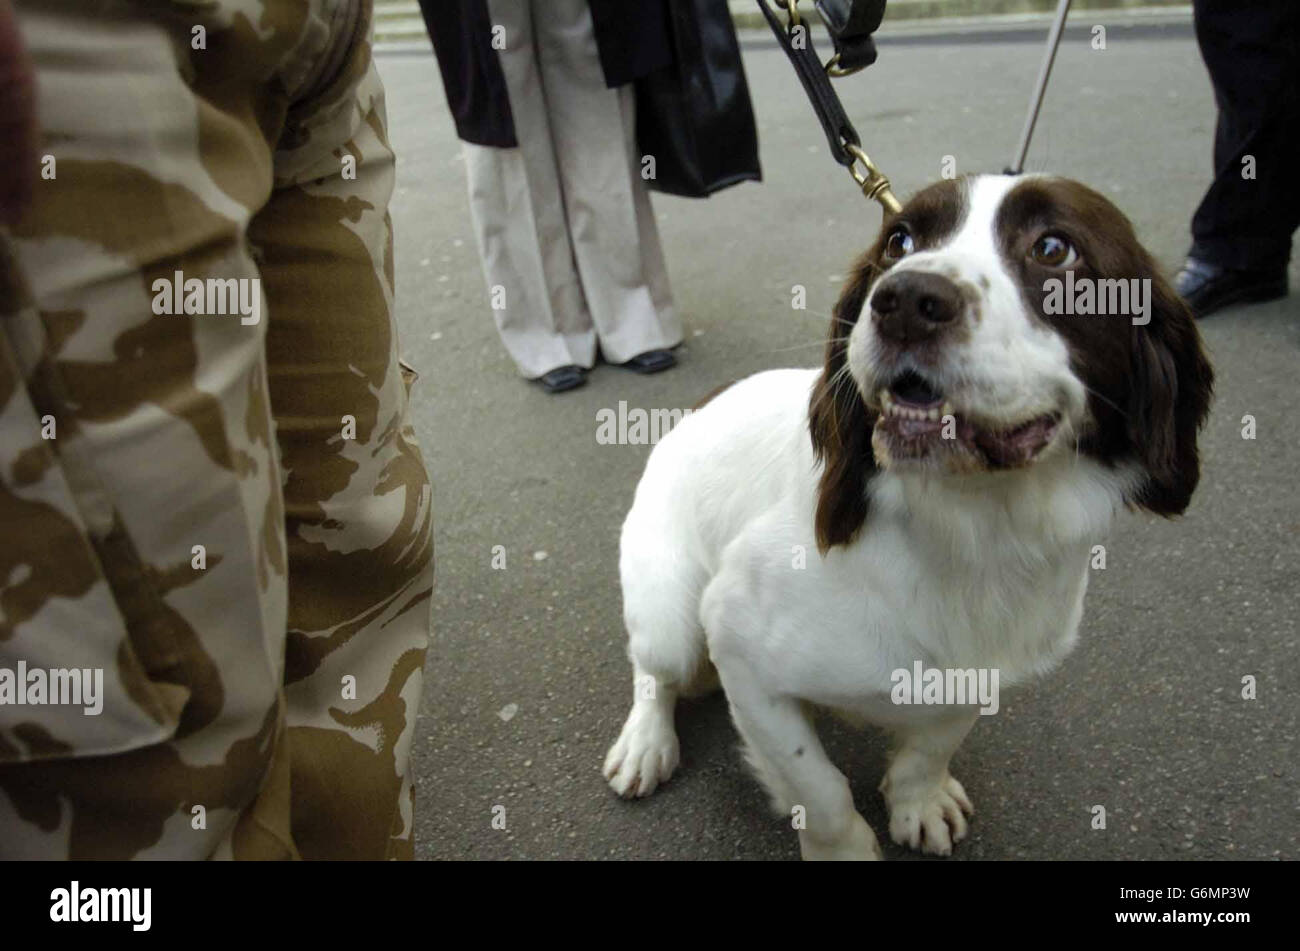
(357, 497)
(162, 495)
(143, 534)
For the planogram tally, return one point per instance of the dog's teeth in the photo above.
(889, 407)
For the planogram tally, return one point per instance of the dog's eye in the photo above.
(1052, 250)
(898, 244)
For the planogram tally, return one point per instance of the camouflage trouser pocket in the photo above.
(87, 662)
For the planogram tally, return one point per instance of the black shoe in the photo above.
(652, 361)
(1208, 287)
(563, 378)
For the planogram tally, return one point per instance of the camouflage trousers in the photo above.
(211, 502)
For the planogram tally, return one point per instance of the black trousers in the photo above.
(1252, 50)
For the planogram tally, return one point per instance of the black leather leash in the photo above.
(851, 23)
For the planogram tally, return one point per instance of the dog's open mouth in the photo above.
(917, 422)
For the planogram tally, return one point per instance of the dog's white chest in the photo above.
(837, 630)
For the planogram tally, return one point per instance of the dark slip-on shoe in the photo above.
(562, 378)
(652, 361)
(1207, 287)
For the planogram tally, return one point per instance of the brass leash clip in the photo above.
(872, 180)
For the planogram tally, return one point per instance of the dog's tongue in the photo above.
(1015, 447)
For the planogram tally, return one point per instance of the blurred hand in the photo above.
(18, 137)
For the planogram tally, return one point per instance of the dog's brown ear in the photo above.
(1169, 398)
(841, 424)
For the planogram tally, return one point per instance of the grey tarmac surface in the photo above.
(527, 684)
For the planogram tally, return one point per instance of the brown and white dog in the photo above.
(926, 500)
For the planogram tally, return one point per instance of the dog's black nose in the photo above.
(914, 305)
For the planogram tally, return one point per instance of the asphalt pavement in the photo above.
(527, 682)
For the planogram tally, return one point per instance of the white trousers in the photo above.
(564, 226)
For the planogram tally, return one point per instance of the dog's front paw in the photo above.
(929, 818)
(644, 755)
(858, 844)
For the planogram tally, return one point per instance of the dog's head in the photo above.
(997, 323)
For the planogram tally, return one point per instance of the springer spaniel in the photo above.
(927, 500)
